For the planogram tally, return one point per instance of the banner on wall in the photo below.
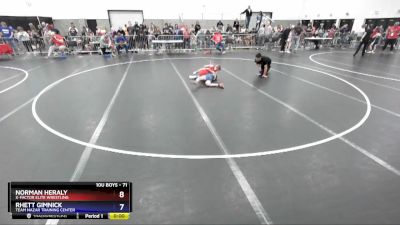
(120, 18)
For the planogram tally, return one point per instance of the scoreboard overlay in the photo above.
(70, 200)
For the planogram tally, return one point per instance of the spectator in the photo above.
(176, 30)
(296, 36)
(268, 31)
(344, 28)
(136, 32)
(229, 28)
(290, 38)
(88, 43)
(197, 27)
(229, 38)
(261, 36)
(218, 40)
(43, 29)
(72, 30)
(152, 29)
(248, 13)
(236, 24)
(309, 30)
(35, 35)
(53, 29)
(392, 33)
(365, 39)
(376, 38)
(171, 29)
(130, 28)
(193, 41)
(57, 42)
(344, 31)
(186, 37)
(280, 28)
(8, 34)
(157, 32)
(284, 38)
(23, 37)
(276, 35)
(191, 31)
(121, 42)
(136, 29)
(106, 44)
(130, 31)
(85, 31)
(321, 30)
(201, 39)
(100, 31)
(125, 28)
(259, 19)
(33, 29)
(220, 25)
(332, 31)
(314, 33)
(121, 30)
(166, 29)
(143, 36)
(178, 35)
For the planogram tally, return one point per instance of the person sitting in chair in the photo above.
(218, 40)
(121, 42)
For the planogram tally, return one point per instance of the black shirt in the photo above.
(236, 24)
(165, 30)
(248, 12)
(285, 34)
(136, 29)
(197, 28)
(73, 32)
(121, 31)
(265, 60)
(368, 32)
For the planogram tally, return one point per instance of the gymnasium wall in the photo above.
(210, 10)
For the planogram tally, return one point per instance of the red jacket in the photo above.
(217, 38)
(393, 32)
(58, 40)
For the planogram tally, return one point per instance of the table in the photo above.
(165, 42)
(316, 40)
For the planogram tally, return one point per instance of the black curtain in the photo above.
(385, 22)
(24, 21)
(349, 22)
(327, 23)
(92, 24)
(305, 22)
